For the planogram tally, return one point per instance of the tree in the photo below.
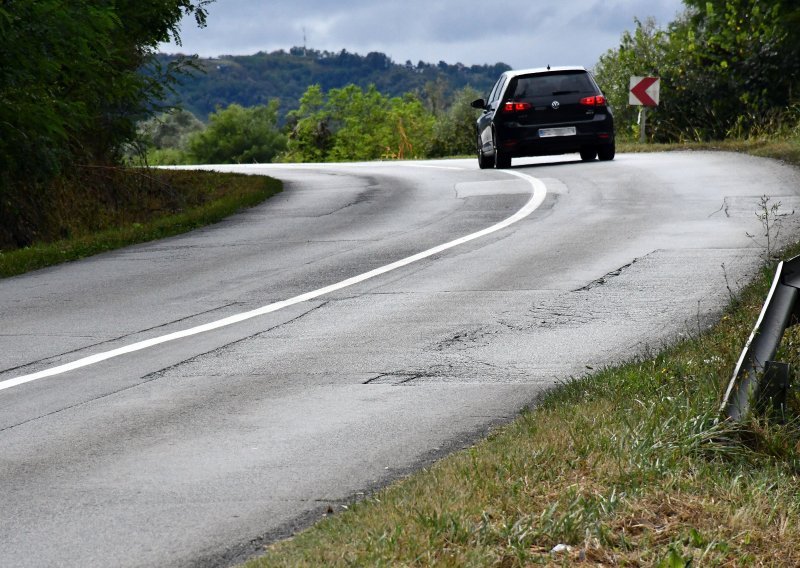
(356, 124)
(641, 52)
(436, 94)
(360, 125)
(751, 51)
(410, 128)
(454, 132)
(70, 81)
(239, 135)
(310, 138)
(49, 54)
(171, 129)
(128, 94)
(71, 91)
(727, 68)
(163, 140)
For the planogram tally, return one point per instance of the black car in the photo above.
(538, 112)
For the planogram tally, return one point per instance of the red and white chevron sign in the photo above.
(644, 91)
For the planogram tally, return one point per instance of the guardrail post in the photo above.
(779, 312)
(774, 389)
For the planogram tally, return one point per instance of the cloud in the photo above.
(521, 34)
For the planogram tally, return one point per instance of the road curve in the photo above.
(199, 450)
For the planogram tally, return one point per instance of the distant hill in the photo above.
(256, 79)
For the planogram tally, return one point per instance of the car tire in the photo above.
(606, 153)
(588, 154)
(502, 160)
(484, 162)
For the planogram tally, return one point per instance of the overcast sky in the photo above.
(526, 33)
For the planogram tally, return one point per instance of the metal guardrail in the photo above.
(757, 378)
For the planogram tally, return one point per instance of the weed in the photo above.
(771, 220)
(732, 297)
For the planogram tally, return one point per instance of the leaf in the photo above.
(674, 559)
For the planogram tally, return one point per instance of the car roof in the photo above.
(533, 71)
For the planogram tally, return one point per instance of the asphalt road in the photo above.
(198, 450)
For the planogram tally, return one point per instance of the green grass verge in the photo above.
(787, 150)
(209, 197)
(628, 466)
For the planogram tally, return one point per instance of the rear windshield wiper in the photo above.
(564, 92)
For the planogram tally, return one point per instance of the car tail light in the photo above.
(595, 101)
(512, 106)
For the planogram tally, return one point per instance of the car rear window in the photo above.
(528, 87)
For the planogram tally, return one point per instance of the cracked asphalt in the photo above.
(200, 451)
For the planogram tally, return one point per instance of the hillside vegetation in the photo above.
(283, 76)
(729, 69)
(311, 106)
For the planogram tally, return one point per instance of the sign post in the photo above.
(644, 92)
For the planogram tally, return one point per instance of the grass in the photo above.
(195, 199)
(787, 149)
(629, 466)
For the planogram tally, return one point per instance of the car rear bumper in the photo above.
(518, 140)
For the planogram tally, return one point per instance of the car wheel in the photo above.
(607, 152)
(484, 162)
(588, 154)
(502, 160)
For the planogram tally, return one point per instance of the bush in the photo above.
(239, 135)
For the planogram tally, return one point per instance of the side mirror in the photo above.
(480, 103)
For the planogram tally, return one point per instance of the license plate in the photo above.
(551, 132)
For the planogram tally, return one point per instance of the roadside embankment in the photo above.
(145, 205)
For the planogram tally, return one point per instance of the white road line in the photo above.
(537, 197)
(433, 167)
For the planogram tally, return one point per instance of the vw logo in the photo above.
(555, 105)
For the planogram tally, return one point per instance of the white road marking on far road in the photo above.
(432, 167)
(537, 197)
